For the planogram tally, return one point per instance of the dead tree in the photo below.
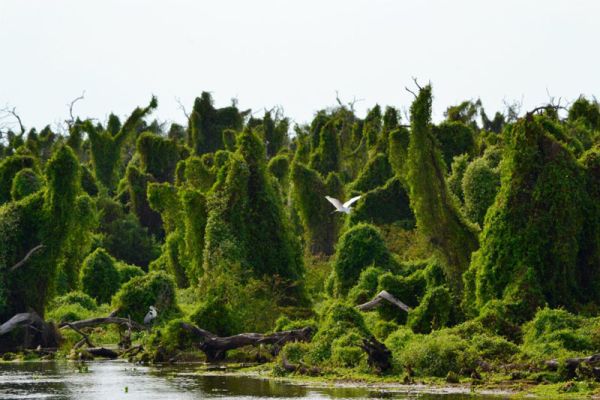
(37, 332)
(216, 347)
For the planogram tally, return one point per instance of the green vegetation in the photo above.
(488, 230)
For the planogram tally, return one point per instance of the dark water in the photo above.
(120, 380)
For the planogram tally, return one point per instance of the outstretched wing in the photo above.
(336, 203)
(351, 201)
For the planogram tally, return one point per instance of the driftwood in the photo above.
(37, 332)
(102, 352)
(571, 364)
(378, 356)
(216, 347)
(26, 258)
(21, 320)
(103, 321)
(85, 338)
(380, 297)
(92, 349)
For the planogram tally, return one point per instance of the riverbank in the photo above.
(491, 386)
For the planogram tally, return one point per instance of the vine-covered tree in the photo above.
(106, 145)
(435, 208)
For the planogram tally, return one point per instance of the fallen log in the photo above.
(216, 347)
(103, 321)
(379, 298)
(102, 352)
(378, 355)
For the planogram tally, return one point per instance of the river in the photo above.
(120, 380)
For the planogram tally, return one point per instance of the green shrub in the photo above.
(338, 320)
(279, 167)
(455, 138)
(383, 329)
(123, 236)
(173, 337)
(437, 355)
(25, 182)
(366, 286)
(153, 289)
(493, 348)
(346, 350)
(99, 276)
(385, 205)
(555, 333)
(458, 168)
(296, 352)
(75, 297)
(215, 316)
(283, 323)
(127, 272)
(480, 185)
(69, 313)
(375, 173)
(408, 289)
(397, 340)
(9, 167)
(434, 311)
(359, 247)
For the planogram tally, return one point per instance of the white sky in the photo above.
(291, 53)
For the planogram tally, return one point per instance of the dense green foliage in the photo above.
(99, 276)
(487, 229)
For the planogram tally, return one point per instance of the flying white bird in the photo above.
(339, 207)
(152, 313)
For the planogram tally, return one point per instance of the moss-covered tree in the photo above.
(45, 218)
(531, 243)
(320, 225)
(207, 123)
(435, 208)
(106, 145)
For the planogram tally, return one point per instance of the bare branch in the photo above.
(26, 258)
(71, 121)
(182, 108)
(410, 91)
(416, 83)
(85, 337)
(13, 112)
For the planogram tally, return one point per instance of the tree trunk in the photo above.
(216, 347)
(379, 356)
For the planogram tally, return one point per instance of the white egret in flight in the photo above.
(339, 207)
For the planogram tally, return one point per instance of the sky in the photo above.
(292, 54)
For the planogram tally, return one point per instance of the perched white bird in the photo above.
(152, 313)
(339, 207)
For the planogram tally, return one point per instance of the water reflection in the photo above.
(120, 380)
